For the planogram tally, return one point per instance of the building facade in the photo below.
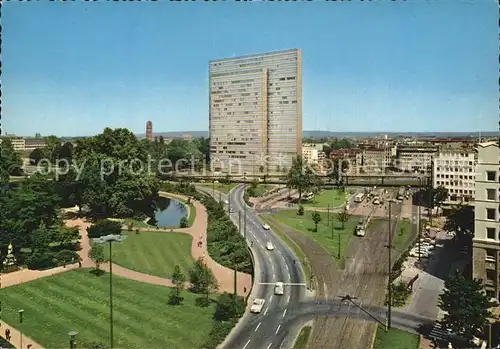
(486, 242)
(415, 158)
(455, 169)
(256, 112)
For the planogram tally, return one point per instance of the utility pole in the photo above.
(328, 216)
(389, 285)
(235, 284)
(332, 229)
(245, 219)
(419, 232)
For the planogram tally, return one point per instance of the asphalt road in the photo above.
(258, 331)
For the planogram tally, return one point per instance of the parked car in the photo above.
(257, 305)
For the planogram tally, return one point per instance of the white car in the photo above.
(257, 305)
(360, 232)
(269, 246)
(266, 226)
(278, 288)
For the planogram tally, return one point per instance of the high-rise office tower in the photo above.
(256, 112)
(149, 131)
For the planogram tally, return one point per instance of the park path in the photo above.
(15, 337)
(224, 276)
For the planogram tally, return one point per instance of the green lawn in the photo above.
(153, 253)
(224, 188)
(324, 234)
(402, 233)
(332, 197)
(263, 188)
(293, 246)
(301, 342)
(79, 301)
(395, 339)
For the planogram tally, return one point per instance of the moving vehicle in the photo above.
(309, 196)
(278, 288)
(257, 305)
(360, 228)
(359, 197)
(269, 246)
(266, 226)
(401, 193)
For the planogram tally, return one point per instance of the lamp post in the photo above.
(389, 269)
(103, 240)
(21, 312)
(72, 339)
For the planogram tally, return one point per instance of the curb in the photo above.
(250, 294)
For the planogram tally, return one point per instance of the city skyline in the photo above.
(402, 67)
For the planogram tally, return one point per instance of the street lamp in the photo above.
(21, 312)
(72, 339)
(103, 240)
(389, 281)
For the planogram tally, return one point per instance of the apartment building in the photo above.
(31, 144)
(256, 112)
(455, 169)
(377, 159)
(314, 155)
(415, 158)
(486, 242)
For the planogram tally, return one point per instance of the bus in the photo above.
(359, 197)
(401, 193)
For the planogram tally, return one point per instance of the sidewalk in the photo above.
(224, 276)
(15, 337)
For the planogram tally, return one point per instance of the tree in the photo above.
(114, 179)
(52, 148)
(461, 221)
(10, 161)
(96, 254)
(36, 156)
(301, 177)
(316, 218)
(227, 308)
(24, 208)
(178, 279)
(300, 211)
(202, 280)
(343, 216)
(104, 227)
(465, 305)
(66, 152)
(184, 222)
(66, 235)
(439, 195)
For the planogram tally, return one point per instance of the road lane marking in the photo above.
(270, 299)
(288, 299)
(256, 328)
(269, 346)
(284, 313)
(246, 345)
(276, 330)
(274, 275)
(266, 311)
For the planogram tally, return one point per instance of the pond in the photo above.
(169, 213)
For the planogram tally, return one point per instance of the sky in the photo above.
(74, 68)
